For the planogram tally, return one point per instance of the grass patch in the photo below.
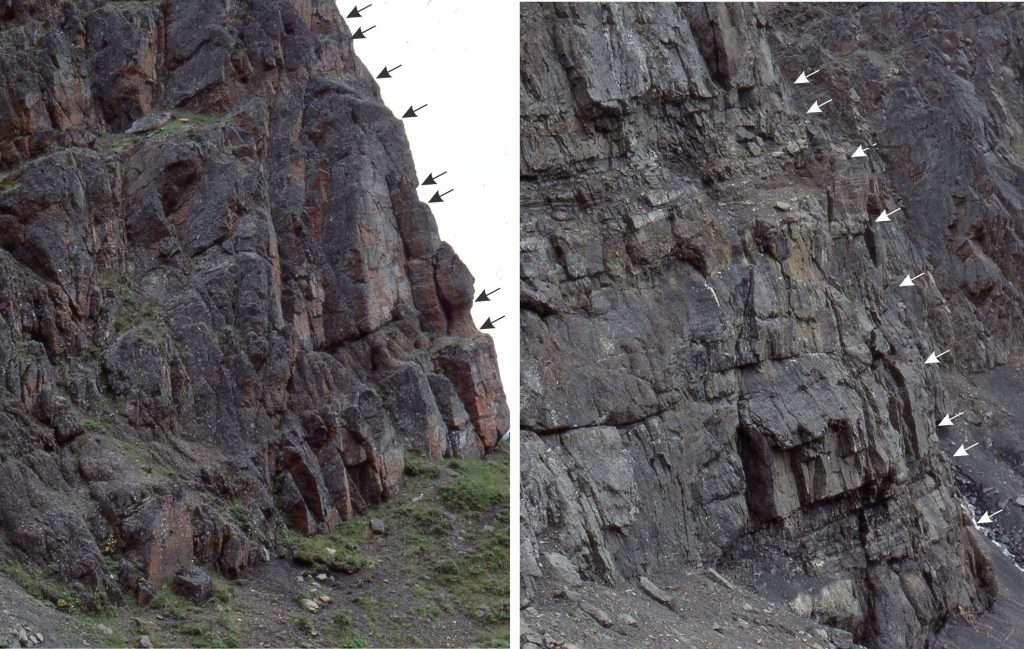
(305, 625)
(201, 625)
(174, 604)
(366, 602)
(448, 531)
(95, 426)
(104, 630)
(428, 612)
(175, 125)
(338, 550)
(416, 466)
(219, 633)
(243, 516)
(222, 591)
(28, 581)
(479, 487)
(344, 633)
(425, 519)
(478, 577)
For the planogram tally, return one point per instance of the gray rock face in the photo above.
(718, 368)
(194, 584)
(222, 306)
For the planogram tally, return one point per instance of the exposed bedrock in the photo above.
(223, 308)
(718, 369)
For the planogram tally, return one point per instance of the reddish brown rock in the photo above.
(208, 324)
(159, 537)
(471, 368)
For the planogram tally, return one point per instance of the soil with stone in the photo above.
(409, 595)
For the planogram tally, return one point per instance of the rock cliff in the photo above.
(223, 309)
(719, 368)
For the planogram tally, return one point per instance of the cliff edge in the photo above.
(224, 312)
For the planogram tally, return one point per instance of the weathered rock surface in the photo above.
(718, 368)
(223, 308)
(194, 584)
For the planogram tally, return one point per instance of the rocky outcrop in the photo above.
(223, 308)
(718, 368)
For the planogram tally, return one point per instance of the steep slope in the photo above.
(718, 368)
(223, 310)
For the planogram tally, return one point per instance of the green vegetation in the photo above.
(343, 633)
(445, 556)
(243, 516)
(104, 630)
(110, 553)
(46, 586)
(134, 309)
(125, 297)
(119, 142)
(175, 125)
(427, 519)
(95, 426)
(339, 550)
(451, 526)
(29, 582)
(222, 591)
(416, 466)
(304, 624)
(479, 487)
(174, 604)
(212, 632)
(202, 625)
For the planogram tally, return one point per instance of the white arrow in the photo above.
(987, 518)
(884, 216)
(805, 78)
(962, 452)
(861, 152)
(816, 107)
(909, 281)
(934, 358)
(947, 420)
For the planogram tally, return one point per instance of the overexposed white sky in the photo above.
(461, 58)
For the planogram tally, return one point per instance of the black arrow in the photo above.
(485, 296)
(385, 73)
(412, 111)
(355, 11)
(432, 179)
(438, 197)
(361, 33)
(489, 324)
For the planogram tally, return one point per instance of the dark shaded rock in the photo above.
(657, 593)
(216, 281)
(717, 368)
(600, 615)
(149, 122)
(144, 592)
(194, 584)
(412, 406)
